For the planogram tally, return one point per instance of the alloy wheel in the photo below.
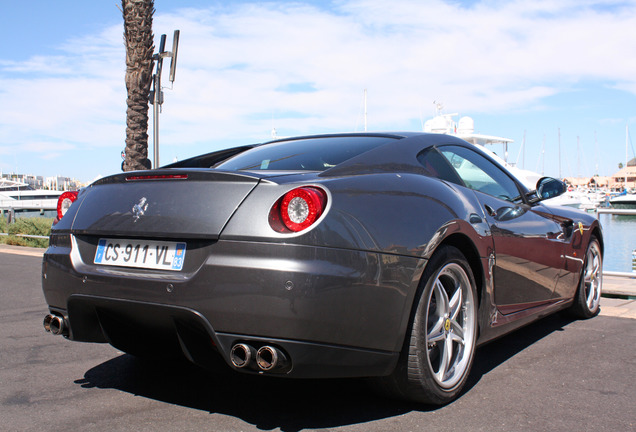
(451, 324)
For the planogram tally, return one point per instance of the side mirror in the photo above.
(548, 187)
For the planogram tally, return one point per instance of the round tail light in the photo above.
(64, 202)
(298, 209)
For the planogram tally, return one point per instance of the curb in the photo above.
(619, 286)
(22, 250)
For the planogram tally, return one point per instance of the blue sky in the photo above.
(518, 68)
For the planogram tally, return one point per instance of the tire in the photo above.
(439, 348)
(588, 295)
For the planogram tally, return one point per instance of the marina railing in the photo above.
(629, 275)
(623, 212)
(25, 235)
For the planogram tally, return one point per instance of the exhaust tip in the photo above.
(57, 325)
(241, 355)
(269, 358)
(47, 322)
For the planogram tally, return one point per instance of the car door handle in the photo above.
(491, 211)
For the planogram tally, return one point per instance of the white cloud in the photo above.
(235, 62)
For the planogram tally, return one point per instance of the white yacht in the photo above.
(579, 199)
(24, 199)
(465, 129)
(627, 198)
(624, 201)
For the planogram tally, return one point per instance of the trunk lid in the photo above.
(162, 203)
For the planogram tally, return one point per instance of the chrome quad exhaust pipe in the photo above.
(269, 359)
(265, 359)
(55, 324)
(242, 355)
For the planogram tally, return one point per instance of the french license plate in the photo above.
(140, 253)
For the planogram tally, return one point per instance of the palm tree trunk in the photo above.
(138, 39)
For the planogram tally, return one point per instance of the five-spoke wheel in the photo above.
(588, 296)
(439, 349)
(450, 325)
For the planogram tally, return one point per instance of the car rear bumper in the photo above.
(333, 312)
(160, 331)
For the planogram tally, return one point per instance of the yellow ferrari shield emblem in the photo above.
(581, 228)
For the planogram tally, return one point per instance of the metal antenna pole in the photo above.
(156, 95)
(156, 101)
(155, 127)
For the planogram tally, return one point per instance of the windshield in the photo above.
(312, 154)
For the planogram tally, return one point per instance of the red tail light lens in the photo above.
(298, 209)
(64, 202)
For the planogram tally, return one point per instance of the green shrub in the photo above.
(27, 225)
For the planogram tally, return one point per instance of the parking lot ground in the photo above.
(556, 374)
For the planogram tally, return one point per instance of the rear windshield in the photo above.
(313, 154)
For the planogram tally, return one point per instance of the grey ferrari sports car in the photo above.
(382, 255)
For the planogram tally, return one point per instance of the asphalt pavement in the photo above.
(556, 374)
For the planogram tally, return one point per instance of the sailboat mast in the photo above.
(596, 154)
(523, 145)
(365, 110)
(522, 152)
(543, 156)
(578, 158)
(560, 153)
(626, 152)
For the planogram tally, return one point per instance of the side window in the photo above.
(480, 174)
(438, 166)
